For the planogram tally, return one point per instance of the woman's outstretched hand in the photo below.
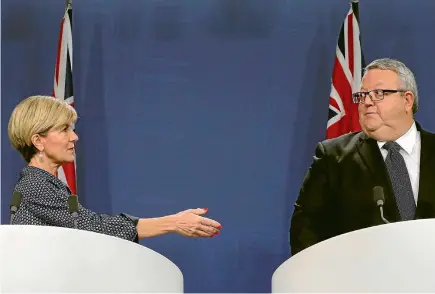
(191, 223)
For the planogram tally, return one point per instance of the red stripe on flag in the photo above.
(340, 81)
(59, 48)
(334, 130)
(350, 45)
(70, 175)
(333, 103)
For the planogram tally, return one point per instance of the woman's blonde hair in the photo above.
(37, 115)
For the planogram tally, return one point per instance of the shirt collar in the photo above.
(406, 141)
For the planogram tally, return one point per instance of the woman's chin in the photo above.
(69, 159)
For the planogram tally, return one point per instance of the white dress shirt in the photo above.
(411, 147)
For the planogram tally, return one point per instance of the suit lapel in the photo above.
(426, 191)
(371, 157)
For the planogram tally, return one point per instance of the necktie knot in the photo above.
(392, 146)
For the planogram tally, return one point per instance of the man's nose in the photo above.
(368, 101)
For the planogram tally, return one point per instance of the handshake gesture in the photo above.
(191, 223)
(188, 223)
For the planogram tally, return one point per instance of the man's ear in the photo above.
(37, 142)
(409, 100)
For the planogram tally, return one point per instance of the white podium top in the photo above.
(53, 259)
(397, 257)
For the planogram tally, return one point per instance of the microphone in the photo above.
(73, 207)
(15, 204)
(378, 197)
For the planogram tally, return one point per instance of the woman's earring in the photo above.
(40, 154)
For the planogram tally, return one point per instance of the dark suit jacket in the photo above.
(336, 196)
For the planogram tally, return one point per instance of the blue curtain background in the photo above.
(210, 103)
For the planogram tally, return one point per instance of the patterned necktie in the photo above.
(400, 180)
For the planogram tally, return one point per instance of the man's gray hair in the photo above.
(406, 77)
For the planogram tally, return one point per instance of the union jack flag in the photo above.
(63, 85)
(346, 77)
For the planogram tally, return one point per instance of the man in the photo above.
(392, 151)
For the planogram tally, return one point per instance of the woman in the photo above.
(40, 129)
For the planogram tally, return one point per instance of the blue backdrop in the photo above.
(202, 103)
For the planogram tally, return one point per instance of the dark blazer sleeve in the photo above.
(313, 217)
(42, 205)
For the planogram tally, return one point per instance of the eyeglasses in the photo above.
(375, 95)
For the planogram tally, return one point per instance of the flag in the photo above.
(346, 77)
(63, 85)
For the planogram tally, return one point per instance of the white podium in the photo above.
(61, 260)
(397, 257)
